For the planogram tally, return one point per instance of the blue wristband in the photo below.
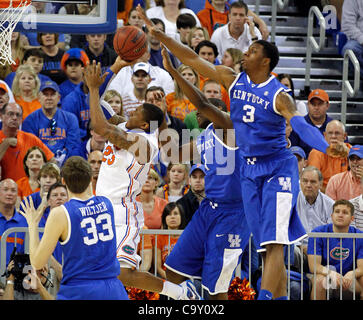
(311, 135)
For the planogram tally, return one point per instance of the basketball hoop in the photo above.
(10, 14)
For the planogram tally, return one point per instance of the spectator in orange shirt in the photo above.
(33, 161)
(14, 143)
(25, 88)
(329, 166)
(178, 105)
(152, 205)
(173, 218)
(347, 185)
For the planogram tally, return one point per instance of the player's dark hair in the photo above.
(218, 103)
(77, 174)
(207, 43)
(271, 52)
(152, 113)
(169, 208)
(185, 20)
(345, 203)
(55, 186)
(238, 4)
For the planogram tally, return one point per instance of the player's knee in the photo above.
(174, 277)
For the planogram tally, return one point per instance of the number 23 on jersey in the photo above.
(108, 155)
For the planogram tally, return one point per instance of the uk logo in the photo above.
(285, 183)
(234, 240)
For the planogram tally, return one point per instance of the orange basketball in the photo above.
(130, 43)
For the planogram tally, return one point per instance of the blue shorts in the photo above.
(102, 289)
(270, 188)
(210, 247)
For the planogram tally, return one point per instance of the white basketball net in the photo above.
(9, 17)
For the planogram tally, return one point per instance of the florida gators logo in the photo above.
(128, 249)
(338, 254)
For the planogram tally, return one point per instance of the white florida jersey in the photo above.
(121, 177)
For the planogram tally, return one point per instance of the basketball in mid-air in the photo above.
(130, 43)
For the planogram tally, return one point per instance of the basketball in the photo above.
(130, 43)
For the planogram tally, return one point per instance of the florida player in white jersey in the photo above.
(128, 154)
(85, 225)
(269, 179)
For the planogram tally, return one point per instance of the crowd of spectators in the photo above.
(45, 119)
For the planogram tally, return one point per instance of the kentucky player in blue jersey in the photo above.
(269, 174)
(86, 229)
(211, 246)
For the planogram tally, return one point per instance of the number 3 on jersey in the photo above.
(250, 113)
(108, 155)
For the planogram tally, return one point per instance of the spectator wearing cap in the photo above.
(73, 62)
(313, 206)
(141, 80)
(346, 185)
(329, 166)
(318, 105)
(98, 50)
(300, 156)
(191, 200)
(35, 58)
(56, 128)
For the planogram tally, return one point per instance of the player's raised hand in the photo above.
(338, 150)
(29, 212)
(153, 30)
(92, 75)
(166, 59)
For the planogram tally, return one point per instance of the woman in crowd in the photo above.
(196, 35)
(25, 88)
(168, 11)
(173, 218)
(286, 80)
(232, 58)
(178, 105)
(152, 205)
(177, 186)
(114, 99)
(53, 56)
(34, 159)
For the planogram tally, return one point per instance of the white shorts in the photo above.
(129, 220)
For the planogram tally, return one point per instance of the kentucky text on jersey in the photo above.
(249, 97)
(91, 210)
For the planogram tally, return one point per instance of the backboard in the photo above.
(72, 17)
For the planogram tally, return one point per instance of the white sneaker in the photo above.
(189, 291)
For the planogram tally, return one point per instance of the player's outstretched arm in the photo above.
(222, 74)
(197, 97)
(55, 229)
(285, 105)
(135, 144)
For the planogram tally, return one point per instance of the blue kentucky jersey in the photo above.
(222, 166)
(90, 248)
(260, 130)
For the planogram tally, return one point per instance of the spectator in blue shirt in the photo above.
(58, 129)
(72, 63)
(331, 259)
(10, 217)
